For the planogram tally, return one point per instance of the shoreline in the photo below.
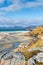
(13, 31)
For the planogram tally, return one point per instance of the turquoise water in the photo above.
(14, 31)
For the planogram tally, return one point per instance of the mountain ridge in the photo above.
(5, 28)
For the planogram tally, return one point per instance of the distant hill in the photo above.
(31, 27)
(16, 28)
(11, 28)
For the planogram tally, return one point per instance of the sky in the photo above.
(21, 12)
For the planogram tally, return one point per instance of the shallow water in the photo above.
(14, 46)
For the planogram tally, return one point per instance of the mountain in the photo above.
(16, 28)
(11, 28)
(31, 27)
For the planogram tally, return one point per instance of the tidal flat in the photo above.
(11, 40)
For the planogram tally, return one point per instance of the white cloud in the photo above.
(11, 8)
(2, 13)
(19, 22)
(1, 1)
(17, 5)
(7, 21)
(34, 4)
(39, 0)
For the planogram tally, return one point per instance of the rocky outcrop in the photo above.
(13, 59)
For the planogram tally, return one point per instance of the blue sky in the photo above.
(21, 12)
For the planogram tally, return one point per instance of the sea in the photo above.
(13, 31)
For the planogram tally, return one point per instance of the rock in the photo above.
(31, 62)
(39, 57)
(38, 48)
(41, 48)
(13, 59)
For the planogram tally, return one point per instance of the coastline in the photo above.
(12, 31)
